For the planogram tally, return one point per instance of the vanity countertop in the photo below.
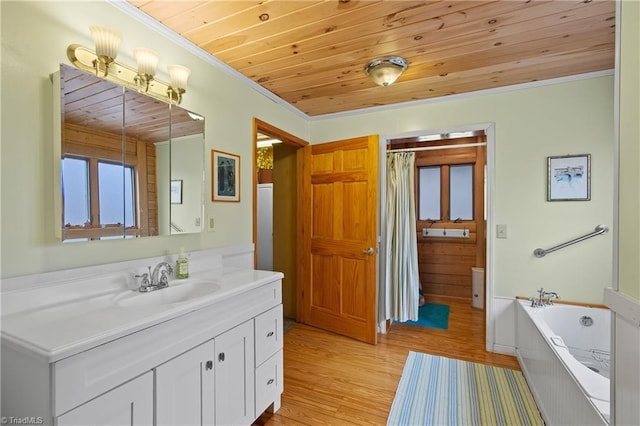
(65, 328)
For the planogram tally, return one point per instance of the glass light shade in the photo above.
(385, 71)
(179, 75)
(106, 40)
(147, 60)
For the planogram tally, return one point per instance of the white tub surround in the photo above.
(81, 346)
(559, 349)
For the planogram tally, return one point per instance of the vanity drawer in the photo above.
(269, 382)
(268, 334)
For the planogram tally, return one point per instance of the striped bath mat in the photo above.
(435, 390)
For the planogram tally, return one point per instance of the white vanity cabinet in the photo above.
(217, 362)
(184, 388)
(269, 359)
(128, 404)
(210, 384)
(234, 382)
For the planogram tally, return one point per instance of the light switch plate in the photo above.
(501, 231)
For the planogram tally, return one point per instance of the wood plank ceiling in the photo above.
(93, 102)
(311, 53)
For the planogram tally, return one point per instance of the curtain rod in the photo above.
(431, 148)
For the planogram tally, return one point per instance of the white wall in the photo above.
(35, 36)
(531, 124)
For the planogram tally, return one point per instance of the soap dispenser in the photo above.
(182, 265)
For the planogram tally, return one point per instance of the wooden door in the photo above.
(339, 227)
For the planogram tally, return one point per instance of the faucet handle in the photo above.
(145, 278)
(164, 276)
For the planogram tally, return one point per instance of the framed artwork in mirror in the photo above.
(176, 191)
(225, 176)
(569, 178)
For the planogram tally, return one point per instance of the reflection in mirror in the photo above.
(117, 149)
(187, 171)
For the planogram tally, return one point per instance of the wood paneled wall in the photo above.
(445, 263)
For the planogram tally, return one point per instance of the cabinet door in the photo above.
(234, 381)
(184, 388)
(128, 404)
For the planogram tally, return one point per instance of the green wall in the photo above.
(35, 36)
(530, 125)
(629, 194)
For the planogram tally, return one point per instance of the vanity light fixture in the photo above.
(179, 75)
(147, 60)
(386, 70)
(103, 64)
(107, 42)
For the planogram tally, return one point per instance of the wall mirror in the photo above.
(130, 165)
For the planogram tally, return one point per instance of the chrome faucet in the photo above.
(550, 295)
(544, 298)
(150, 280)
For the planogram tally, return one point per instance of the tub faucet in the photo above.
(544, 298)
(550, 295)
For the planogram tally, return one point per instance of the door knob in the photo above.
(368, 251)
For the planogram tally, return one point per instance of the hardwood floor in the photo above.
(334, 380)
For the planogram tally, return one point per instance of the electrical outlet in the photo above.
(197, 221)
(211, 223)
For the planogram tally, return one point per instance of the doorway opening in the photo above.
(275, 207)
(453, 190)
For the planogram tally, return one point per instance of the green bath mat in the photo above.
(433, 315)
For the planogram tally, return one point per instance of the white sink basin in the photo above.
(177, 292)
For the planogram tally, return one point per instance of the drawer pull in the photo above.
(209, 365)
(269, 334)
(270, 382)
(221, 357)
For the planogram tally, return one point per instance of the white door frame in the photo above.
(489, 129)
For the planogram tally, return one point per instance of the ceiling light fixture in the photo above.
(384, 71)
(102, 62)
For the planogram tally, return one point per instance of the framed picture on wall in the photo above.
(225, 176)
(569, 178)
(176, 191)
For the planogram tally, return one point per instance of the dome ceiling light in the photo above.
(384, 71)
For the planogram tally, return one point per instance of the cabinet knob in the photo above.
(209, 365)
(270, 381)
(221, 357)
(269, 334)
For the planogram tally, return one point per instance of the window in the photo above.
(98, 199)
(429, 184)
(461, 192)
(445, 192)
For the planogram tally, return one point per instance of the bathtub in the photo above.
(564, 352)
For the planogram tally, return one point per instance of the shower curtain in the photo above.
(402, 278)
